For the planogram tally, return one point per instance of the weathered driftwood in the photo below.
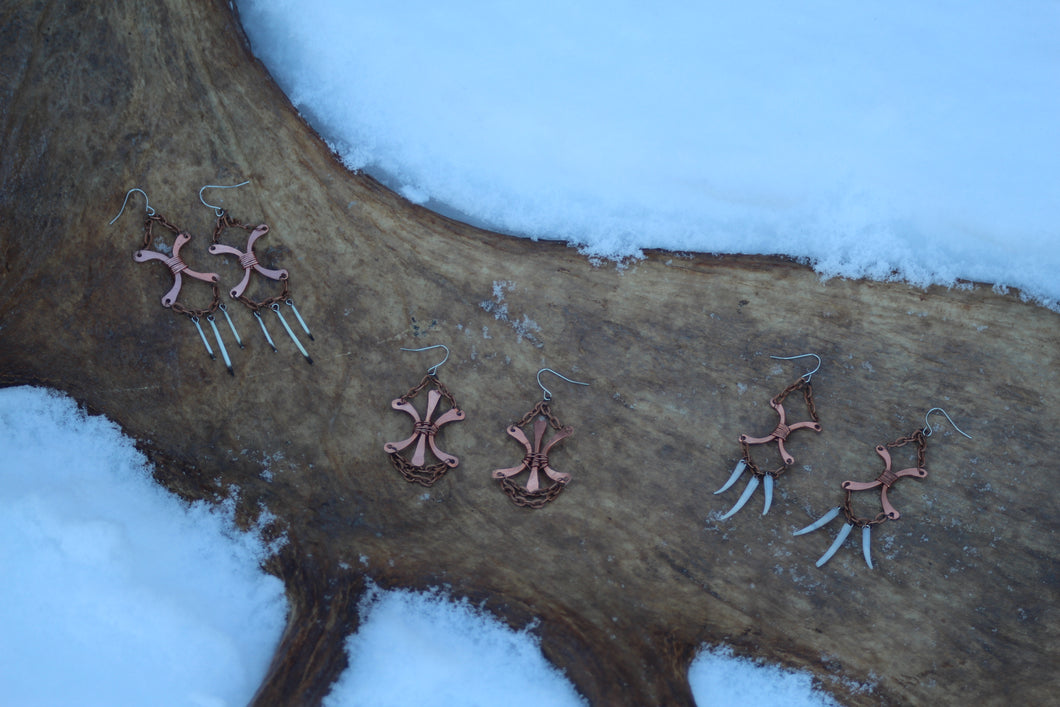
(628, 570)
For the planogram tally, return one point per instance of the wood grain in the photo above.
(629, 571)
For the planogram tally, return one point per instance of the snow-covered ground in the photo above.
(893, 139)
(113, 592)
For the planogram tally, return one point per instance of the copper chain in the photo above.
(525, 499)
(427, 381)
(542, 408)
(422, 475)
(520, 495)
(224, 222)
(177, 307)
(921, 452)
(807, 393)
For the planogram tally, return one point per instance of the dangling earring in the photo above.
(779, 435)
(424, 430)
(884, 481)
(536, 459)
(250, 263)
(179, 268)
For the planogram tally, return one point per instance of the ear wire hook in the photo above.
(805, 376)
(548, 393)
(927, 425)
(147, 202)
(433, 370)
(218, 211)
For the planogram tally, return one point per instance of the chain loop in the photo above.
(807, 393)
(920, 439)
(429, 474)
(223, 223)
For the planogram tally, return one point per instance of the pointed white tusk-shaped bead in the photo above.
(866, 540)
(740, 466)
(769, 493)
(843, 533)
(751, 486)
(820, 522)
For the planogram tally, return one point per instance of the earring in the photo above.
(424, 430)
(179, 269)
(536, 459)
(778, 435)
(884, 481)
(248, 259)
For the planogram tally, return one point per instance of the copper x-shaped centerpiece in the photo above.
(536, 457)
(249, 261)
(780, 434)
(885, 480)
(425, 430)
(177, 266)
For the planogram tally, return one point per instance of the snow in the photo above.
(889, 140)
(423, 649)
(719, 678)
(114, 591)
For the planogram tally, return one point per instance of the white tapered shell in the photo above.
(843, 533)
(751, 486)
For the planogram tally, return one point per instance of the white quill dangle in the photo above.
(202, 336)
(820, 522)
(843, 533)
(768, 488)
(751, 486)
(220, 343)
(740, 466)
(866, 540)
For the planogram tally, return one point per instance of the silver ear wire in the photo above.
(147, 202)
(433, 370)
(805, 376)
(218, 211)
(548, 393)
(927, 425)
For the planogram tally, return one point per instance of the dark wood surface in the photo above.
(629, 571)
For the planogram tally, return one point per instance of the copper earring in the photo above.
(884, 481)
(249, 261)
(778, 435)
(180, 269)
(414, 468)
(536, 461)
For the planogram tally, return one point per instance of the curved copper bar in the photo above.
(885, 480)
(177, 266)
(424, 430)
(536, 458)
(248, 260)
(780, 434)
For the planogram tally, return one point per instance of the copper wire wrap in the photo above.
(783, 429)
(224, 222)
(535, 460)
(424, 432)
(174, 264)
(885, 480)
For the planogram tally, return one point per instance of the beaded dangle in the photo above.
(180, 269)
(883, 482)
(249, 261)
(778, 435)
(424, 430)
(536, 461)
